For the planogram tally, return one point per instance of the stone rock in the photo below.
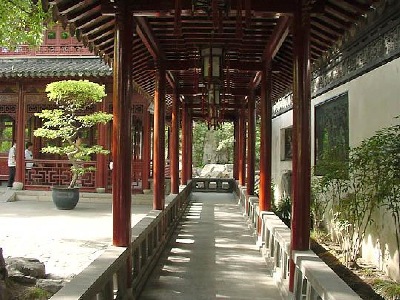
(27, 266)
(50, 285)
(17, 186)
(18, 277)
(4, 292)
(216, 171)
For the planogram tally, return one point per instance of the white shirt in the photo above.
(11, 157)
(28, 156)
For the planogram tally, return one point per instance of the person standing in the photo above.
(12, 163)
(28, 156)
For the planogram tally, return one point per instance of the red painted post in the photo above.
(236, 149)
(251, 143)
(174, 144)
(190, 147)
(266, 140)
(159, 140)
(20, 155)
(300, 238)
(240, 150)
(101, 165)
(184, 143)
(122, 139)
(242, 147)
(146, 149)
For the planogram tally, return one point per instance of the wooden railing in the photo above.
(313, 278)
(107, 277)
(49, 172)
(46, 173)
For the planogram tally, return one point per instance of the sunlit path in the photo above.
(212, 255)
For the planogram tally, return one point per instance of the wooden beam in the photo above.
(148, 39)
(157, 8)
(154, 8)
(145, 33)
(190, 91)
(181, 65)
(276, 40)
(230, 106)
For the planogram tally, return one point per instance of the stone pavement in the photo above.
(65, 240)
(212, 255)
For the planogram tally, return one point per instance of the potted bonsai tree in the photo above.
(65, 124)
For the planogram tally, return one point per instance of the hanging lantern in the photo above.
(211, 67)
(214, 95)
(212, 78)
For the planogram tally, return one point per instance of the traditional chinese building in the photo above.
(24, 73)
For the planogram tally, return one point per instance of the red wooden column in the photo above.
(159, 140)
(190, 146)
(122, 139)
(242, 147)
(101, 160)
(266, 139)
(146, 149)
(20, 125)
(300, 238)
(174, 144)
(184, 143)
(236, 149)
(251, 143)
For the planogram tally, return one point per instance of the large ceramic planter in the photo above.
(64, 197)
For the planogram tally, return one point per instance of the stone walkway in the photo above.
(212, 255)
(65, 240)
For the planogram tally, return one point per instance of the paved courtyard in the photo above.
(66, 241)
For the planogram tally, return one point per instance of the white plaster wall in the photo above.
(374, 102)
(279, 167)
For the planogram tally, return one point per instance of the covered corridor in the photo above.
(212, 255)
(200, 60)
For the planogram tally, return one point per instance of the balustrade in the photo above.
(313, 278)
(47, 173)
(106, 277)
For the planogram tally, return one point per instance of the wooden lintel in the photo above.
(277, 38)
(156, 7)
(225, 106)
(255, 81)
(190, 91)
(181, 65)
(166, 8)
(146, 35)
(149, 40)
(171, 79)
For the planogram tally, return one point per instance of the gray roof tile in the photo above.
(53, 67)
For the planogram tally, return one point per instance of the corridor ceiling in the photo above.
(248, 31)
